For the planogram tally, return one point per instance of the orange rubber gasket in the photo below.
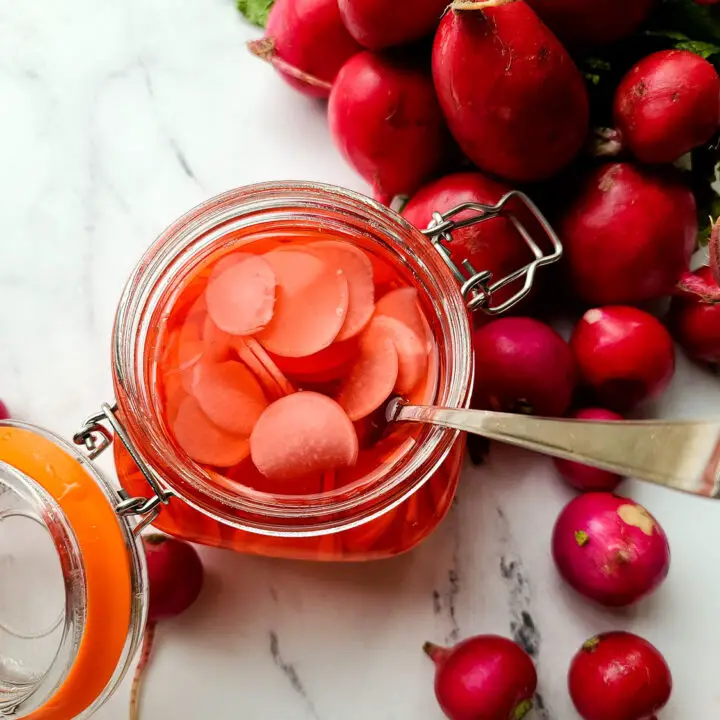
(105, 560)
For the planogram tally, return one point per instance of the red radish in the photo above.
(513, 98)
(385, 118)
(493, 245)
(592, 22)
(619, 676)
(584, 477)
(610, 549)
(486, 677)
(695, 318)
(307, 43)
(175, 579)
(628, 234)
(625, 355)
(522, 365)
(4, 412)
(379, 24)
(667, 104)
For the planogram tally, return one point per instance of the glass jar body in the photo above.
(387, 509)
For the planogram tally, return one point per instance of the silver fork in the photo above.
(678, 454)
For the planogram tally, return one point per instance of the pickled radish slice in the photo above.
(359, 273)
(174, 395)
(270, 367)
(328, 364)
(311, 305)
(216, 342)
(203, 441)
(411, 351)
(372, 376)
(241, 298)
(247, 475)
(424, 393)
(402, 305)
(227, 261)
(190, 350)
(229, 395)
(272, 390)
(301, 434)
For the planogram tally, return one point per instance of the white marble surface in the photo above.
(115, 117)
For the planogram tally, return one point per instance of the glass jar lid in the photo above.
(72, 580)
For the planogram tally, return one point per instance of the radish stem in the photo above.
(145, 655)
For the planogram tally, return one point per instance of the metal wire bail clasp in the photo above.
(479, 286)
(96, 438)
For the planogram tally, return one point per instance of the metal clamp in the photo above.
(96, 438)
(477, 286)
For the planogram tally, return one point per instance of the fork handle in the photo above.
(679, 454)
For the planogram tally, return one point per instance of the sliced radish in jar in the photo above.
(301, 434)
(241, 298)
(311, 305)
(372, 376)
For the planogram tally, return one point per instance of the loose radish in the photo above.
(385, 118)
(667, 105)
(486, 677)
(175, 579)
(610, 549)
(522, 365)
(493, 245)
(592, 22)
(584, 477)
(695, 317)
(4, 412)
(378, 24)
(625, 355)
(619, 676)
(513, 98)
(628, 234)
(307, 43)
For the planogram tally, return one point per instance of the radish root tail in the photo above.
(265, 50)
(478, 4)
(714, 249)
(137, 685)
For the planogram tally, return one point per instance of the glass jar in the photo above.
(386, 510)
(69, 537)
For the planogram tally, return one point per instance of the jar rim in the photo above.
(194, 237)
(102, 566)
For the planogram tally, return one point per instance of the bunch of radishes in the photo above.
(419, 92)
(449, 104)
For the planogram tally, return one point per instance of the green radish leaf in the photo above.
(703, 49)
(701, 22)
(256, 11)
(680, 41)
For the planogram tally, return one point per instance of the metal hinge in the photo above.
(478, 286)
(95, 437)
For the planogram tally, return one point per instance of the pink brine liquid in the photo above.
(274, 369)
